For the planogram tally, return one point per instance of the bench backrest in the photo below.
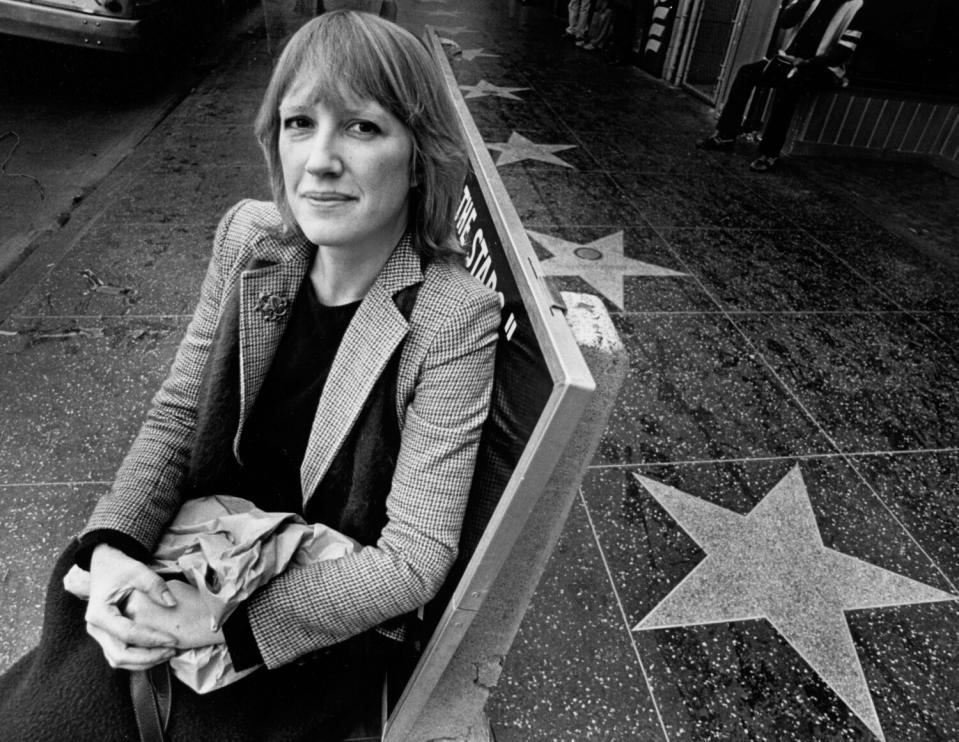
(541, 388)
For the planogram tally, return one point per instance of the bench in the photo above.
(559, 367)
(871, 123)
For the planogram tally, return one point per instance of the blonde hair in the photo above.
(346, 54)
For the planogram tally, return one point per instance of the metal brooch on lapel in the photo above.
(272, 306)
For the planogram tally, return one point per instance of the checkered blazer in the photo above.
(443, 388)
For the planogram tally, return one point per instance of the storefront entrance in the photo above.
(722, 35)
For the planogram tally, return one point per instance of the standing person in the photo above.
(623, 32)
(600, 27)
(820, 39)
(338, 366)
(578, 16)
(383, 8)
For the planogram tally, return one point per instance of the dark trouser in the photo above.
(789, 89)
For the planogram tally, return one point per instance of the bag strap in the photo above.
(152, 694)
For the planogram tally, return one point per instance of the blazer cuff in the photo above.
(240, 642)
(117, 539)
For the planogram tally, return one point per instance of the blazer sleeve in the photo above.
(312, 607)
(146, 493)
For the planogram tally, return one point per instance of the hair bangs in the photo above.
(340, 71)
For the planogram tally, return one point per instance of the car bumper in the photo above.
(70, 27)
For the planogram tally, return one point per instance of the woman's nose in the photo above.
(324, 158)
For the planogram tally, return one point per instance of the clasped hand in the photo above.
(139, 619)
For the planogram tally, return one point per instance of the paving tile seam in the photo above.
(918, 317)
(751, 185)
(791, 393)
(758, 355)
(898, 521)
(832, 442)
(579, 140)
(538, 226)
(782, 312)
(668, 312)
(66, 483)
(756, 351)
(755, 186)
(794, 457)
(797, 400)
(622, 613)
(710, 228)
(871, 284)
(87, 317)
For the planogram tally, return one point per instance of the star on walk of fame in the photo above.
(600, 263)
(519, 148)
(470, 54)
(483, 88)
(772, 564)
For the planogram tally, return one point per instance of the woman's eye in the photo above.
(366, 128)
(296, 122)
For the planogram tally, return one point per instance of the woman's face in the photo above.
(346, 170)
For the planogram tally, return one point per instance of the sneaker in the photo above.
(716, 143)
(763, 164)
(589, 46)
(581, 43)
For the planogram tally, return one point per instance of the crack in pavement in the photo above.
(6, 160)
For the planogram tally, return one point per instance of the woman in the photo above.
(338, 365)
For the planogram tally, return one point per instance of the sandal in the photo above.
(716, 143)
(763, 164)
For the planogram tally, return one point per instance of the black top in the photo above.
(276, 434)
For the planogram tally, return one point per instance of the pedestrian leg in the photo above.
(747, 78)
(582, 19)
(805, 80)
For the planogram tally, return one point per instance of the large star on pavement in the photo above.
(470, 54)
(519, 148)
(600, 263)
(772, 564)
(483, 88)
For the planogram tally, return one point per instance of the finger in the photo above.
(120, 656)
(154, 586)
(125, 631)
(123, 657)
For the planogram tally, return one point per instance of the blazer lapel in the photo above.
(372, 337)
(267, 293)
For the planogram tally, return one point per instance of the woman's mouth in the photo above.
(327, 198)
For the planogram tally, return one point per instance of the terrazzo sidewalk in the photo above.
(765, 547)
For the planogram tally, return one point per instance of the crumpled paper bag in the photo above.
(227, 548)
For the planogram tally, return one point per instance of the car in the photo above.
(113, 25)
